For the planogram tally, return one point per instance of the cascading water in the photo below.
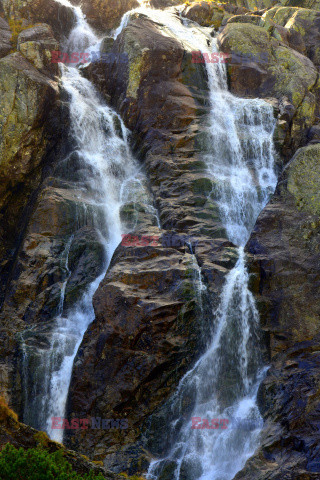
(112, 179)
(224, 382)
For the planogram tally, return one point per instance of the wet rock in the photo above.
(146, 334)
(161, 95)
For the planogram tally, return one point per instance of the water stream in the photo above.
(112, 178)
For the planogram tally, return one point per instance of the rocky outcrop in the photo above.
(151, 317)
(286, 263)
(106, 15)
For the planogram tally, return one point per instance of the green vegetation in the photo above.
(37, 464)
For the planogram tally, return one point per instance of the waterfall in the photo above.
(224, 382)
(112, 178)
(239, 156)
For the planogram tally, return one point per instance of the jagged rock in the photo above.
(286, 262)
(146, 334)
(160, 94)
(58, 16)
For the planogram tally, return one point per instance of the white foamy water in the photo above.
(112, 179)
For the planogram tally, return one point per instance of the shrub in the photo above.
(37, 464)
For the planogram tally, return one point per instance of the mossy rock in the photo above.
(203, 185)
(304, 178)
(278, 15)
(295, 74)
(245, 39)
(253, 19)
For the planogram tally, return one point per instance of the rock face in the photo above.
(42, 206)
(286, 261)
(106, 15)
(148, 329)
(32, 120)
(23, 139)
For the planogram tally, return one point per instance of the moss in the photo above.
(17, 26)
(304, 178)
(134, 77)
